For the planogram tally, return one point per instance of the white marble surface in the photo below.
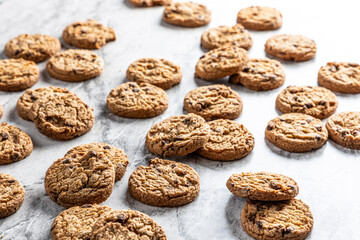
(328, 178)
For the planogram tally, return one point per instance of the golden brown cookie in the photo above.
(134, 100)
(12, 195)
(149, 3)
(260, 18)
(35, 47)
(89, 34)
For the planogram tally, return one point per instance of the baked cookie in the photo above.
(164, 183)
(344, 129)
(77, 222)
(15, 144)
(291, 47)
(89, 34)
(12, 195)
(75, 65)
(62, 116)
(134, 100)
(187, 14)
(284, 220)
(228, 141)
(35, 47)
(263, 186)
(78, 181)
(314, 101)
(117, 156)
(127, 224)
(296, 132)
(213, 102)
(149, 3)
(159, 72)
(227, 36)
(177, 135)
(17, 74)
(340, 77)
(260, 18)
(221, 62)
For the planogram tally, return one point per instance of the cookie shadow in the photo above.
(129, 5)
(216, 165)
(344, 149)
(290, 63)
(201, 82)
(2, 55)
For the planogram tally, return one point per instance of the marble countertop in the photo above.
(328, 177)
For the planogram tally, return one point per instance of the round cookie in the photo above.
(221, 62)
(15, 144)
(89, 34)
(314, 101)
(260, 18)
(117, 156)
(75, 65)
(213, 102)
(77, 181)
(228, 141)
(296, 132)
(17, 74)
(77, 222)
(187, 14)
(291, 47)
(227, 36)
(284, 220)
(164, 183)
(35, 47)
(134, 100)
(260, 74)
(344, 129)
(177, 135)
(340, 77)
(263, 186)
(158, 72)
(149, 3)
(12, 195)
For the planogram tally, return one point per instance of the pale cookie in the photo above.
(314, 101)
(164, 183)
(117, 156)
(214, 102)
(260, 18)
(149, 3)
(89, 34)
(221, 62)
(158, 72)
(78, 181)
(296, 132)
(187, 14)
(17, 74)
(177, 135)
(15, 144)
(12, 195)
(134, 100)
(284, 220)
(75, 65)
(291, 47)
(228, 141)
(340, 77)
(127, 224)
(263, 186)
(35, 47)
(76, 223)
(227, 36)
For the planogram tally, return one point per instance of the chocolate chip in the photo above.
(322, 103)
(275, 185)
(259, 224)
(106, 147)
(173, 165)
(76, 24)
(15, 157)
(163, 142)
(4, 136)
(32, 98)
(252, 218)
(136, 90)
(178, 138)
(308, 105)
(343, 133)
(282, 120)
(287, 231)
(65, 161)
(246, 69)
(11, 181)
(82, 31)
(295, 45)
(333, 69)
(318, 137)
(309, 120)
(292, 59)
(121, 218)
(92, 153)
(270, 126)
(74, 71)
(318, 128)
(18, 51)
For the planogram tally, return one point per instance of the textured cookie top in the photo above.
(127, 224)
(213, 102)
(76, 223)
(263, 186)
(227, 36)
(149, 3)
(260, 18)
(12, 194)
(314, 101)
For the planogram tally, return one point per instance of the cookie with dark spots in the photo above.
(260, 18)
(149, 3)
(12, 195)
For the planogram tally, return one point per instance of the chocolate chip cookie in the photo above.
(260, 18)
(35, 47)
(149, 3)
(221, 62)
(314, 101)
(296, 132)
(89, 34)
(177, 135)
(291, 47)
(12, 195)
(134, 100)
(213, 102)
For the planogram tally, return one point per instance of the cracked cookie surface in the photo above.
(12, 195)
(260, 18)
(149, 3)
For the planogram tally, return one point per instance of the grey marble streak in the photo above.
(328, 178)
